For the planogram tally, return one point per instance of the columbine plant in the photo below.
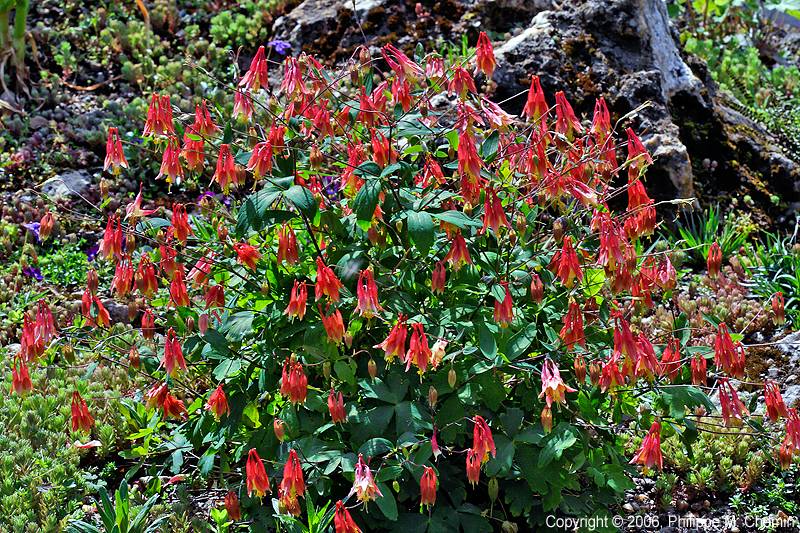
(424, 304)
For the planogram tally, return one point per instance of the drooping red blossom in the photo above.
(243, 105)
(294, 382)
(218, 403)
(638, 156)
(367, 294)
(776, 408)
(610, 375)
(327, 282)
(419, 352)
(473, 467)
(297, 301)
(20, 378)
(260, 163)
(427, 487)
(148, 324)
(714, 260)
(670, 364)
(226, 172)
(699, 372)
(647, 364)
(287, 245)
(256, 76)
(484, 54)
(649, 454)
(553, 387)
(572, 331)
(342, 520)
(214, 296)
(566, 122)
(81, 418)
(333, 324)
(791, 441)
(232, 506)
(565, 264)
(167, 261)
(458, 254)
(122, 283)
(493, 215)
(159, 117)
(193, 150)
(178, 295)
(395, 344)
(482, 440)
(400, 63)
(438, 278)
(180, 223)
(145, 277)
(364, 486)
(173, 407)
(641, 219)
(504, 310)
(733, 410)
(462, 83)
(93, 310)
(292, 485)
(247, 254)
(171, 168)
(469, 168)
(336, 407)
(726, 354)
(115, 157)
(173, 354)
(257, 480)
(203, 123)
(111, 245)
(778, 311)
(535, 107)
(537, 288)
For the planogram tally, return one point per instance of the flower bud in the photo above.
(467, 208)
(579, 366)
(521, 223)
(509, 527)
(396, 486)
(399, 226)
(559, 227)
(222, 232)
(348, 339)
(372, 368)
(547, 419)
(364, 56)
(326, 369)
(190, 325)
(46, 225)
(433, 396)
(104, 187)
(203, 323)
(594, 372)
(451, 378)
(494, 489)
(133, 357)
(133, 310)
(92, 281)
(315, 157)
(279, 428)
(68, 351)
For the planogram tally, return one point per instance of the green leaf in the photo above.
(366, 200)
(420, 227)
(386, 502)
(486, 341)
(376, 446)
(227, 368)
(302, 199)
(457, 218)
(252, 215)
(521, 341)
(489, 146)
(562, 438)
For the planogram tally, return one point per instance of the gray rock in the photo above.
(70, 183)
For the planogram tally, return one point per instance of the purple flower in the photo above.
(92, 252)
(33, 227)
(33, 272)
(280, 46)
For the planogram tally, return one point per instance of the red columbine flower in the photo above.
(427, 485)
(458, 254)
(342, 521)
(336, 407)
(565, 264)
(159, 117)
(572, 331)
(111, 245)
(666, 277)
(537, 288)
(419, 353)
(292, 484)
(287, 245)
(536, 106)
(177, 289)
(167, 262)
(401, 94)
(173, 407)
(670, 364)
(733, 410)
(641, 211)
(171, 162)
(485, 55)
(203, 124)
(493, 215)
(364, 485)
(226, 172)
(260, 163)
(610, 376)
(20, 378)
(482, 441)
(279, 428)
(256, 76)
(439, 278)
(504, 311)
(327, 282)
(81, 419)
(714, 261)
(400, 63)
(257, 480)
(180, 223)
(553, 387)
(473, 467)
(395, 344)
(242, 105)
(247, 254)
(93, 310)
(791, 442)
(193, 149)
(367, 293)
(469, 167)
(297, 301)
(778, 311)
(215, 296)
(382, 151)
(146, 280)
(122, 283)
(724, 350)
(115, 157)
(294, 382)
(699, 370)
(333, 324)
(218, 403)
(579, 366)
(776, 408)
(173, 353)
(134, 211)
(647, 364)
(566, 122)
(232, 506)
(638, 157)
(649, 453)
(462, 83)
(148, 324)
